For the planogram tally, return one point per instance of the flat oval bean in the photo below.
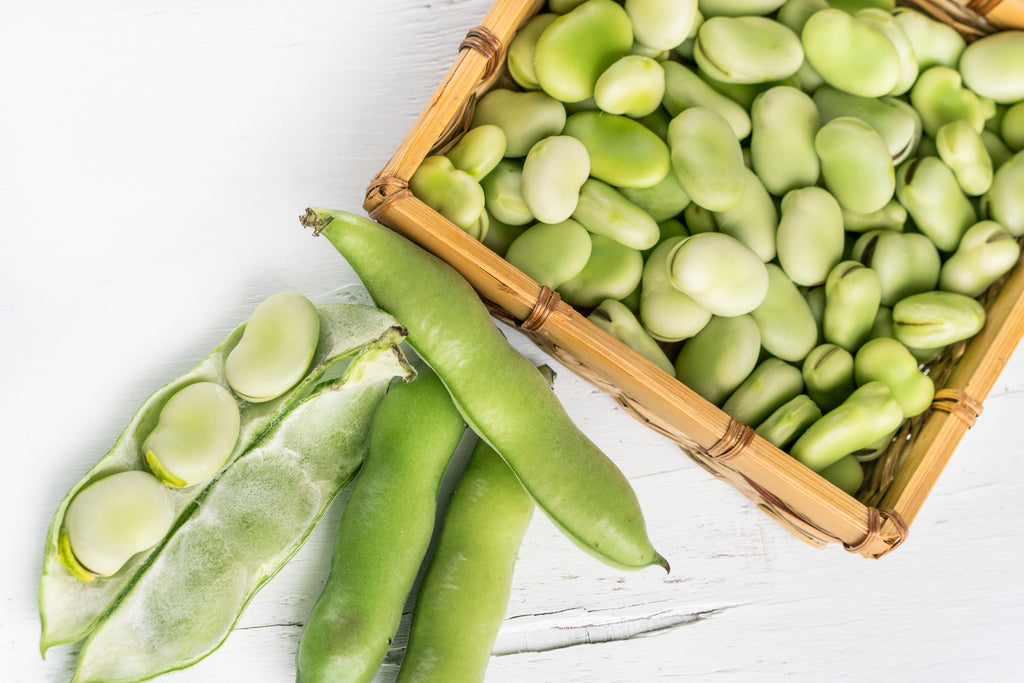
(252, 519)
(551, 253)
(935, 319)
(720, 273)
(503, 194)
(810, 237)
(632, 86)
(553, 173)
(719, 357)
(622, 152)
(500, 235)
(888, 361)
(754, 221)
(479, 150)
(788, 329)
(789, 421)
(452, 193)
(525, 117)
(929, 191)
(661, 202)
(603, 210)
(684, 89)
(828, 375)
(499, 392)
(853, 293)
(772, 383)
(707, 158)
(666, 313)
(991, 66)
(935, 43)
(784, 121)
(738, 8)
(617, 320)
(383, 533)
(577, 47)
(747, 49)
(961, 148)
(612, 271)
(887, 24)
(846, 474)
(851, 55)
(114, 518)
(940, 97)
(986, 253)
(1011, 127)
(661, 24)
(462, 600)
(897, 124)
(855, 164)
(522, 48)
(906, 263)
(68, 608)
(892, 216)
(1004, 202)
(195, 434)
(276, 348)
(883, 327)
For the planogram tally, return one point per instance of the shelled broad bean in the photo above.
(863, 156)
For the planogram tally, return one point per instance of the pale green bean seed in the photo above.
(522, 48)
(1004, 202)
(577, 47)
(906, 263)
(551, 253)
(454, 194)
(658, 120)
(500, 235)
(888, 361)
(997, 150)
(633, 86)
(525, 117)
(935, 43)
(934, 319)
(114, 518)
(665, 200)
(617, 320)
(961, 148)
(503, 193)
(622, 152)
(892, 216)
(855, 164)
(991, 66)
(747, 49)
(875, 450)
(986, 253)
(815, 297)
(754, 221)
(939, 96)
(478, 151)
(784, 121)
(846, 474)
(887, 24)
(670, 228)
(772, 384)
(788, 328)
(810, 238)
(685, 89)
(789, 421)
(719, 357)
(867, 415)
(897, 124)
(883, 327)
(698, 219)
(195, 433)
(661, 24)
(853, 293)
(854, 6)
(720, 273)
(612, 272)
(707, 158)
(1011, 127)
(553, 173)
(665, 312)
(828, 375)
(276, 348)
(603, 210)
(738, 8)
(564, 6)
(794, 13)
(850, 54)
(929, 191)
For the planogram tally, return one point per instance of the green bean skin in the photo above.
(464, 595)
(251, 520)
(383, 533)
(498, 391)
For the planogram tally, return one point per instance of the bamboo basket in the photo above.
(800, 500)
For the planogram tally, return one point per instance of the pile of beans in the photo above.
(789, 206)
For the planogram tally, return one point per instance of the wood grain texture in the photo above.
(154, 159)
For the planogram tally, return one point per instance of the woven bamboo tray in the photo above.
(812, 509)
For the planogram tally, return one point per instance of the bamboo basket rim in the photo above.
(725, 447)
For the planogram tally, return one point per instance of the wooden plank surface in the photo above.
(154, 158)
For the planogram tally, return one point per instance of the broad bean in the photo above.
(897, 124)
(810, 238)
(754, 221)
(935, 43)
(622, 152)
(828, 375)
(661, 24)
(612, 271)
(616, 319)
(554, 170)
(526, 118)
(452, 193)
(883, 20)
(961, 148)
(195, 434)
(747, 49)
(576, 48)
(784, 122)
(788, 328)
(666, 313)
(892, 216)
(935, 319)
(930, 193)
(707, 158)
(604, 211)
(720, 273)
(851, 54)
(991, 66)
(1011, 127)
(906, 263)
(499, 393)
(661, 202)
(789, 421)
(633, 86)
(867, 415)
(503, 195)
(855, 164)
(522, 49)
(1004, 202)
(500, 235)
(888, 361)
(551, 253)
(997, 149)
(684, 89)
(986, 253)
(479, 150)
(719, 357)
(939, 96)
(853, 293)
(846, 474)
(771, 384)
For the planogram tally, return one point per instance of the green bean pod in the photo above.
(772, 383)
(70, 609)
(719, 357)
(789, 421)
(251, 521)
(499, 392)
(383, 533)
(462, 600)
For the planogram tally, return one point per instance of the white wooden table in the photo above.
(154, 158)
